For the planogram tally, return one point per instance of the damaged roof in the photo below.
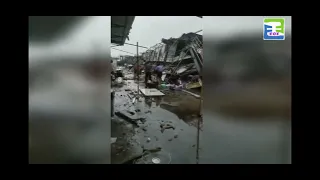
(183, 37)
(120, 28)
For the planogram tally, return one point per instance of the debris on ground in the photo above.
(144, 152)
(119, 80)
(148, 112)
(127, 117)
(142, 119)
(130, 112)
(166, 126)
(129, 96)
(157, 149)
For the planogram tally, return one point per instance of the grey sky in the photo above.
(149, 30)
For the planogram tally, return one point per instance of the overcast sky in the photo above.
(149, 30)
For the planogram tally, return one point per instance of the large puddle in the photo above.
(176, 109)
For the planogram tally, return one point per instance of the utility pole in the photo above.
(138, 68)
(200, 120)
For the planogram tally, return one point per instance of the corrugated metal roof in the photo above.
(120, 28)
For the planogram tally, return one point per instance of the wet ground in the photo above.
(177, 110)
(223, 139)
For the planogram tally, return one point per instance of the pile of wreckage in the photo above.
(182, 59)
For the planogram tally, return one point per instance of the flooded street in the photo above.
(175, 109)
(223, 139)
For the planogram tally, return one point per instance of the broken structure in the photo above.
(183, 57)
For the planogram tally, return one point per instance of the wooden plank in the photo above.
(193, 85)
(193, 94)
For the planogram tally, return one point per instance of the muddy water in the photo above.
(224, 140)
(175, 108)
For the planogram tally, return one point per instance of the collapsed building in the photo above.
(182, 56)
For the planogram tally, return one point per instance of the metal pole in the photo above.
(138, 67)
(198, 128)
